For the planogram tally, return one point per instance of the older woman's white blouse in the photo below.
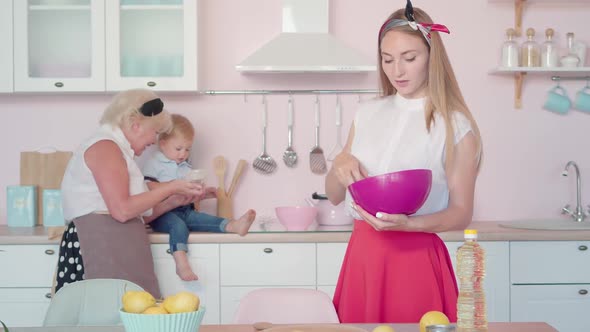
(391, 135)
(80, 194)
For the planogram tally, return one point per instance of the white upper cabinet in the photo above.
(100, 45)
(59, 45)
(6, 84)
(151, 44)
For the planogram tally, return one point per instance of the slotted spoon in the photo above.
(317, 161)
(290, 156)
(264, 164)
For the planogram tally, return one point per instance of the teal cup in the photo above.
(582, 101)
(557, 101)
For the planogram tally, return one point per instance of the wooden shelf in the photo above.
(520, 73)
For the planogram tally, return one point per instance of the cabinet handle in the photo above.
(59, 85)
(49, 251)
(168, 251)
(48, 295)
(151, 83)
(583, 292)
(582, 248)
(268, 250)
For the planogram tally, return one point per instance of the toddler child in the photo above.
(170, 163)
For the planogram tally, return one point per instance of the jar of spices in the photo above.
(530, 51)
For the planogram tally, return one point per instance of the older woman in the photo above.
(105, 198)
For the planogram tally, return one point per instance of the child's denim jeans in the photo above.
(183, 220)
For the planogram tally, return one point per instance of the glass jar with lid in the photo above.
(530, 50)
(510, 50)
(571, 59)
(549, 52)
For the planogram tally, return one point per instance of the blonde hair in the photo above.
(124, 108)
(443, 95)
(181, 126)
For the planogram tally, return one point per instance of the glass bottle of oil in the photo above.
(530, 51)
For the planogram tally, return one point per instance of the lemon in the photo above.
(155, 310)
(383, 328)
(433, 318)
(181, 302)
(137, 301)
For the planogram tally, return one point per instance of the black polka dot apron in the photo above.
(70, 266)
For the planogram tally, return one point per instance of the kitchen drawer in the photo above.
(330, 257)
(28, 265)
(564, 307)
(550, 262)
(24, 306)
(268, 264)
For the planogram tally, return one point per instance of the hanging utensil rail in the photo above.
(287, 92)
(570, 78)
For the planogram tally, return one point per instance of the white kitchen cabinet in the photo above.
(496, 282)
(6, 66)
(268, 264)
(330, 257)
(231, 297)
(25, 283)
(550, 281)
(59, 45)
(550, 262)
(204, 259)
(67, 45)
(249, 266)
(24, 306)
(564, 307)
(151, 44)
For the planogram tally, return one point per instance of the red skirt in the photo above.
(394, 277)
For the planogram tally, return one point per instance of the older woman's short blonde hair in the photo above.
(124, 108)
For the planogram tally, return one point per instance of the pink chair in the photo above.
(286, 306)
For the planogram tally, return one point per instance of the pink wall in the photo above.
(525, 150)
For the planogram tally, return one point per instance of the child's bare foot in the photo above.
(242, 225)
(183, 268)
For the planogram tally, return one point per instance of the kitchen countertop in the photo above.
(488, 231)
(493, 327)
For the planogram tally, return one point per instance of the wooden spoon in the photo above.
(237, 173)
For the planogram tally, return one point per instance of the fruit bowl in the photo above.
(179, 322)
(296, 218)
(402, 192)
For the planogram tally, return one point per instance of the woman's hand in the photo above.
(208, 192)
(187, 188)
(177, 200)
(348, 169)
(384, 221)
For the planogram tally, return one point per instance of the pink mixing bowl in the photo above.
(402, 192)
(296, 218)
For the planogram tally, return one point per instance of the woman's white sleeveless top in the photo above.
(80, 194)
(391, 135)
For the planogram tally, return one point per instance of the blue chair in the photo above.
(92, 302)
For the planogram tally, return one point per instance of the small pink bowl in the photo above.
(296, 218)
(402, 192)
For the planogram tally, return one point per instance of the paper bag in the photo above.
(44, 170)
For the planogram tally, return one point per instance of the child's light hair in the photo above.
(124, 108)
(181, 126)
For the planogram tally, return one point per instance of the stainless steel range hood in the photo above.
(305, 45)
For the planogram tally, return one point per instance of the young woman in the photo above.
(396, 268)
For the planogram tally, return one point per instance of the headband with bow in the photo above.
(425, 28)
